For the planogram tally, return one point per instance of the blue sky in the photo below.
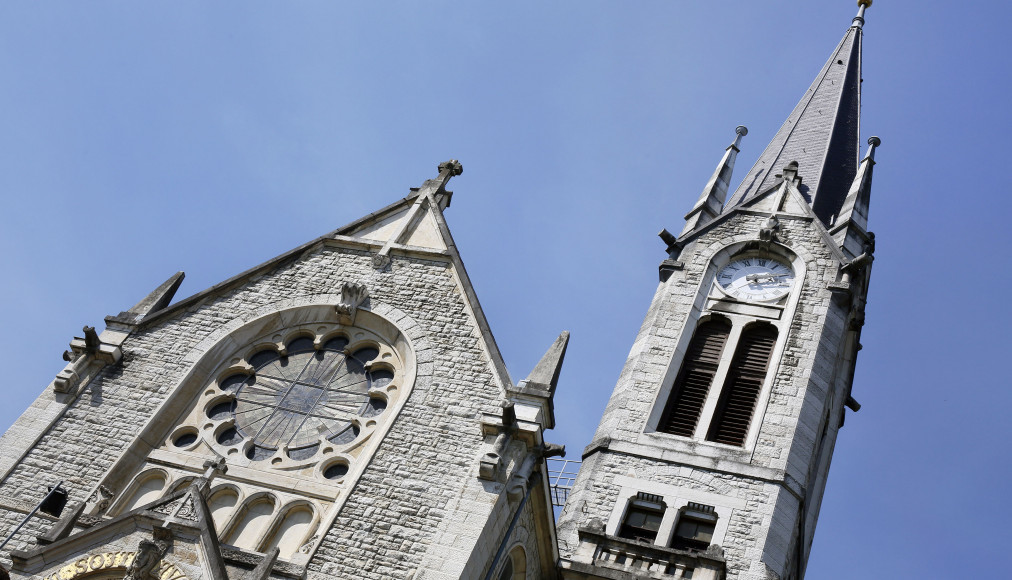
(139, 139)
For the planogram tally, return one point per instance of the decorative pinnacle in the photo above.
(873, 142)
(862, 6)
(739, 131)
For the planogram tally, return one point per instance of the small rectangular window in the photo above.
(695, 526)
(642, 519)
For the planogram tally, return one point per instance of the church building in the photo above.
(342, 410)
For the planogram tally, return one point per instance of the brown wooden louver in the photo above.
(695, 377)
(744, 381)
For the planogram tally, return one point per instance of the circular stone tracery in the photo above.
(294, 401)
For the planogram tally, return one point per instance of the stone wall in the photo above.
(414, 481)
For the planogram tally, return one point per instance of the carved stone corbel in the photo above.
(145, 564)
(352, 296)
(99, 500)
(489, 464)
(521, 477)
(770, 229)
(83, 352)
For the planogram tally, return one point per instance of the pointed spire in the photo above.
(159, 298)
(711, 201)
(821, 133)
(854, 213)
(545, 375)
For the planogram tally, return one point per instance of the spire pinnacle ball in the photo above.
(865, 3)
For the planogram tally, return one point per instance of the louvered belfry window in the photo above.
(744, 381)
(695, 377)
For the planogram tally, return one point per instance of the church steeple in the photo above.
(822, 133)
(712, 456)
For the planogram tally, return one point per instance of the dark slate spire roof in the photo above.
(822, 134)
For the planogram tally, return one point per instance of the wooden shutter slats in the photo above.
(694, 379)
(741, 389)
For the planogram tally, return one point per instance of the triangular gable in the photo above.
(774, 200)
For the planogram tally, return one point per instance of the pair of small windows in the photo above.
(693, 530)
(741, 388)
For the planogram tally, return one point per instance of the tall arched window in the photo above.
(695, 377)
(146, 491)
(222, 504)
(292, 531)
(741, 388)
(252, 524)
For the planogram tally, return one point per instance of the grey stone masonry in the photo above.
(421, 482)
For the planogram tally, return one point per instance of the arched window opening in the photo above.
(252, 524)
(149, 489)
(221, 506)
(694, 529)
(744, 381)
(180, 485)
(292, 531)
(643, 518)
(515, 567)
(695, 377)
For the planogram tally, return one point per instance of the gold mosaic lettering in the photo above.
(107, 560)
(96, 562)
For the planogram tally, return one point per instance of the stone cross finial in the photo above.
(452, 166)
(212, 467)
(447, 169)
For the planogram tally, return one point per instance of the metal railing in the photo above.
(561, 476)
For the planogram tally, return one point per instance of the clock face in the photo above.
(755, 278)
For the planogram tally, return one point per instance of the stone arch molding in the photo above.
(205, 363)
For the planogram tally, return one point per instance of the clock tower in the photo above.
(711, 459)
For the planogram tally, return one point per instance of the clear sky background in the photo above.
(142, 138)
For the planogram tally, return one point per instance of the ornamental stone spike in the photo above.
(546, 374)
(711, 201)
(854, 213)
(159, 298)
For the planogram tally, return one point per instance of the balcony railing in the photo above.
(602, 556)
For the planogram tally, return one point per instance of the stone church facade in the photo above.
(342, 411)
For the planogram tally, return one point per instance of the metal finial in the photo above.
(859, 19)
(873, 142)
(739, 132)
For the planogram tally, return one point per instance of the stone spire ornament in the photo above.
(711, 201)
